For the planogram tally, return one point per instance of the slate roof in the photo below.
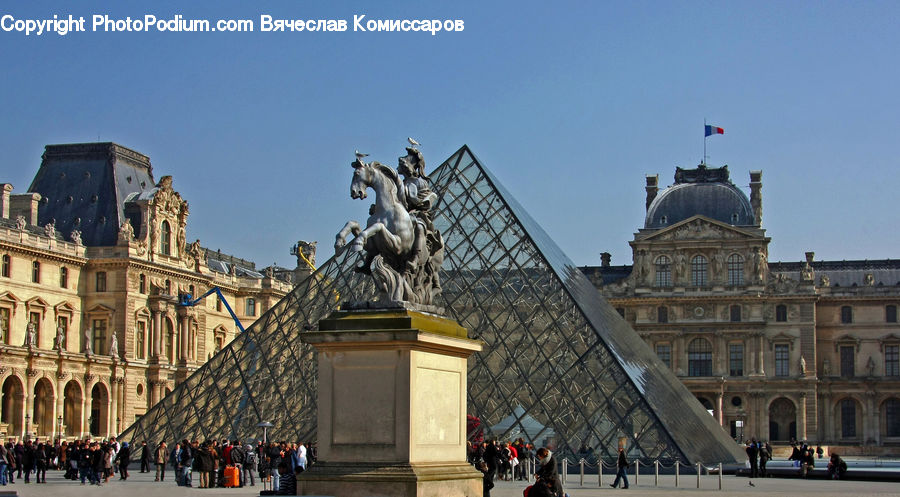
(84, 185)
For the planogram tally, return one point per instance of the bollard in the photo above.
(565, 468)
(677, 463)
(698, 475)
(720, 476)
(599, 472)
(581, 482)
(656, 472)
(637, 470)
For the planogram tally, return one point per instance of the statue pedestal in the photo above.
(392, 406)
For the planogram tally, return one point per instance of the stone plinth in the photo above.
(391, 406)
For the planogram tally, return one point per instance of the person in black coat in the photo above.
(547, 482)
(124, 459)
(621, 470)
(145, 457)
(491, 456)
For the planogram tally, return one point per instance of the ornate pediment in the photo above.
(700, 228)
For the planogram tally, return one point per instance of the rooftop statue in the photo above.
(403, 251)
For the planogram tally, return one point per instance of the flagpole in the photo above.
(703, 160)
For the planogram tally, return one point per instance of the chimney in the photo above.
(756, 196)
(605, 258)
(5, 190)
(652, 188)
(25, 204)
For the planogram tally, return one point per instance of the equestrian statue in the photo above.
(403, 250)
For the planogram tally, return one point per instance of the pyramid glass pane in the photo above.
(559, 367)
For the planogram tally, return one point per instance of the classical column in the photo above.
(870, 422)
(719, 413)
(30, 375)
(113, 407)
(761, 354)
(801, 425)
(827, 416)
(184, 332)
(153, 392)
(60, 402)
(157, 333)
(86, 406)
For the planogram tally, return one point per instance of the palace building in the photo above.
(95, 264)
(805, 350)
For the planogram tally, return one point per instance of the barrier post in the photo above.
(637, 470)
(656, 471)
(565, 468)
(677, 464)
(599, 472)
(698, 475)
(581, 481)
(720, 476)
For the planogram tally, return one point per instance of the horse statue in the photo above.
(400, 249)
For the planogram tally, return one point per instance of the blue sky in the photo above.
(570, 104)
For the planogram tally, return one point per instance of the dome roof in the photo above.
(718, 199)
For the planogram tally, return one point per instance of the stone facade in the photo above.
(805, 350)
(109, 335)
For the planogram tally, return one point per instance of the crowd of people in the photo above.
(213, 463)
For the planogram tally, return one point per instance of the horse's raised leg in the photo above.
(341, 238)
(383, 238)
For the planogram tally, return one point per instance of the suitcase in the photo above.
(232, 479)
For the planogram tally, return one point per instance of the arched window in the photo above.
(165, 239)
(781, 313)
(700, 357)
(891, 417)
(698, 271)
(35, 272)
(7, 264)
(735, 270)
(663, 271)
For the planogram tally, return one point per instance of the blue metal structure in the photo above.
(187, 300)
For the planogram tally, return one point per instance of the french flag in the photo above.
(713, 130)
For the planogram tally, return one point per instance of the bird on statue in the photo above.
(360, 155)
(412, 142)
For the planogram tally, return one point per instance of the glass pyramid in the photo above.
(559, 366)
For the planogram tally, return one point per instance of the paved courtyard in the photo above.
(143, 485)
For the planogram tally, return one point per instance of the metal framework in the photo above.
(559, 365)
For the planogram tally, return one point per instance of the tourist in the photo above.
(161, 459)
(41, 460)
(491, 456)
(123, 458)
(505, 465)
(203, 464)
(11, 463)
(764, 456)
(214, 467)
(4, 454)
(250, 463)
(108, 451)
(27, 460)
(487, 481)
(837, 468)
(807, 462)
(145, 457)
(237, 460)
(547, 482)
(753, 455)
(621, 469)
(287, 481)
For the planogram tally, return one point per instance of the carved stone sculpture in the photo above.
(403, 250)
(113, 346)
(802, 366)
(760, 265)
(869, 279)
(870, 367)
(50, 230)
(825, 280)
(306, 254)
(75, 236)
(126, 232)
(60, 342)
(718, 267)
(30, 335)
(20, 222)
(88, 341)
